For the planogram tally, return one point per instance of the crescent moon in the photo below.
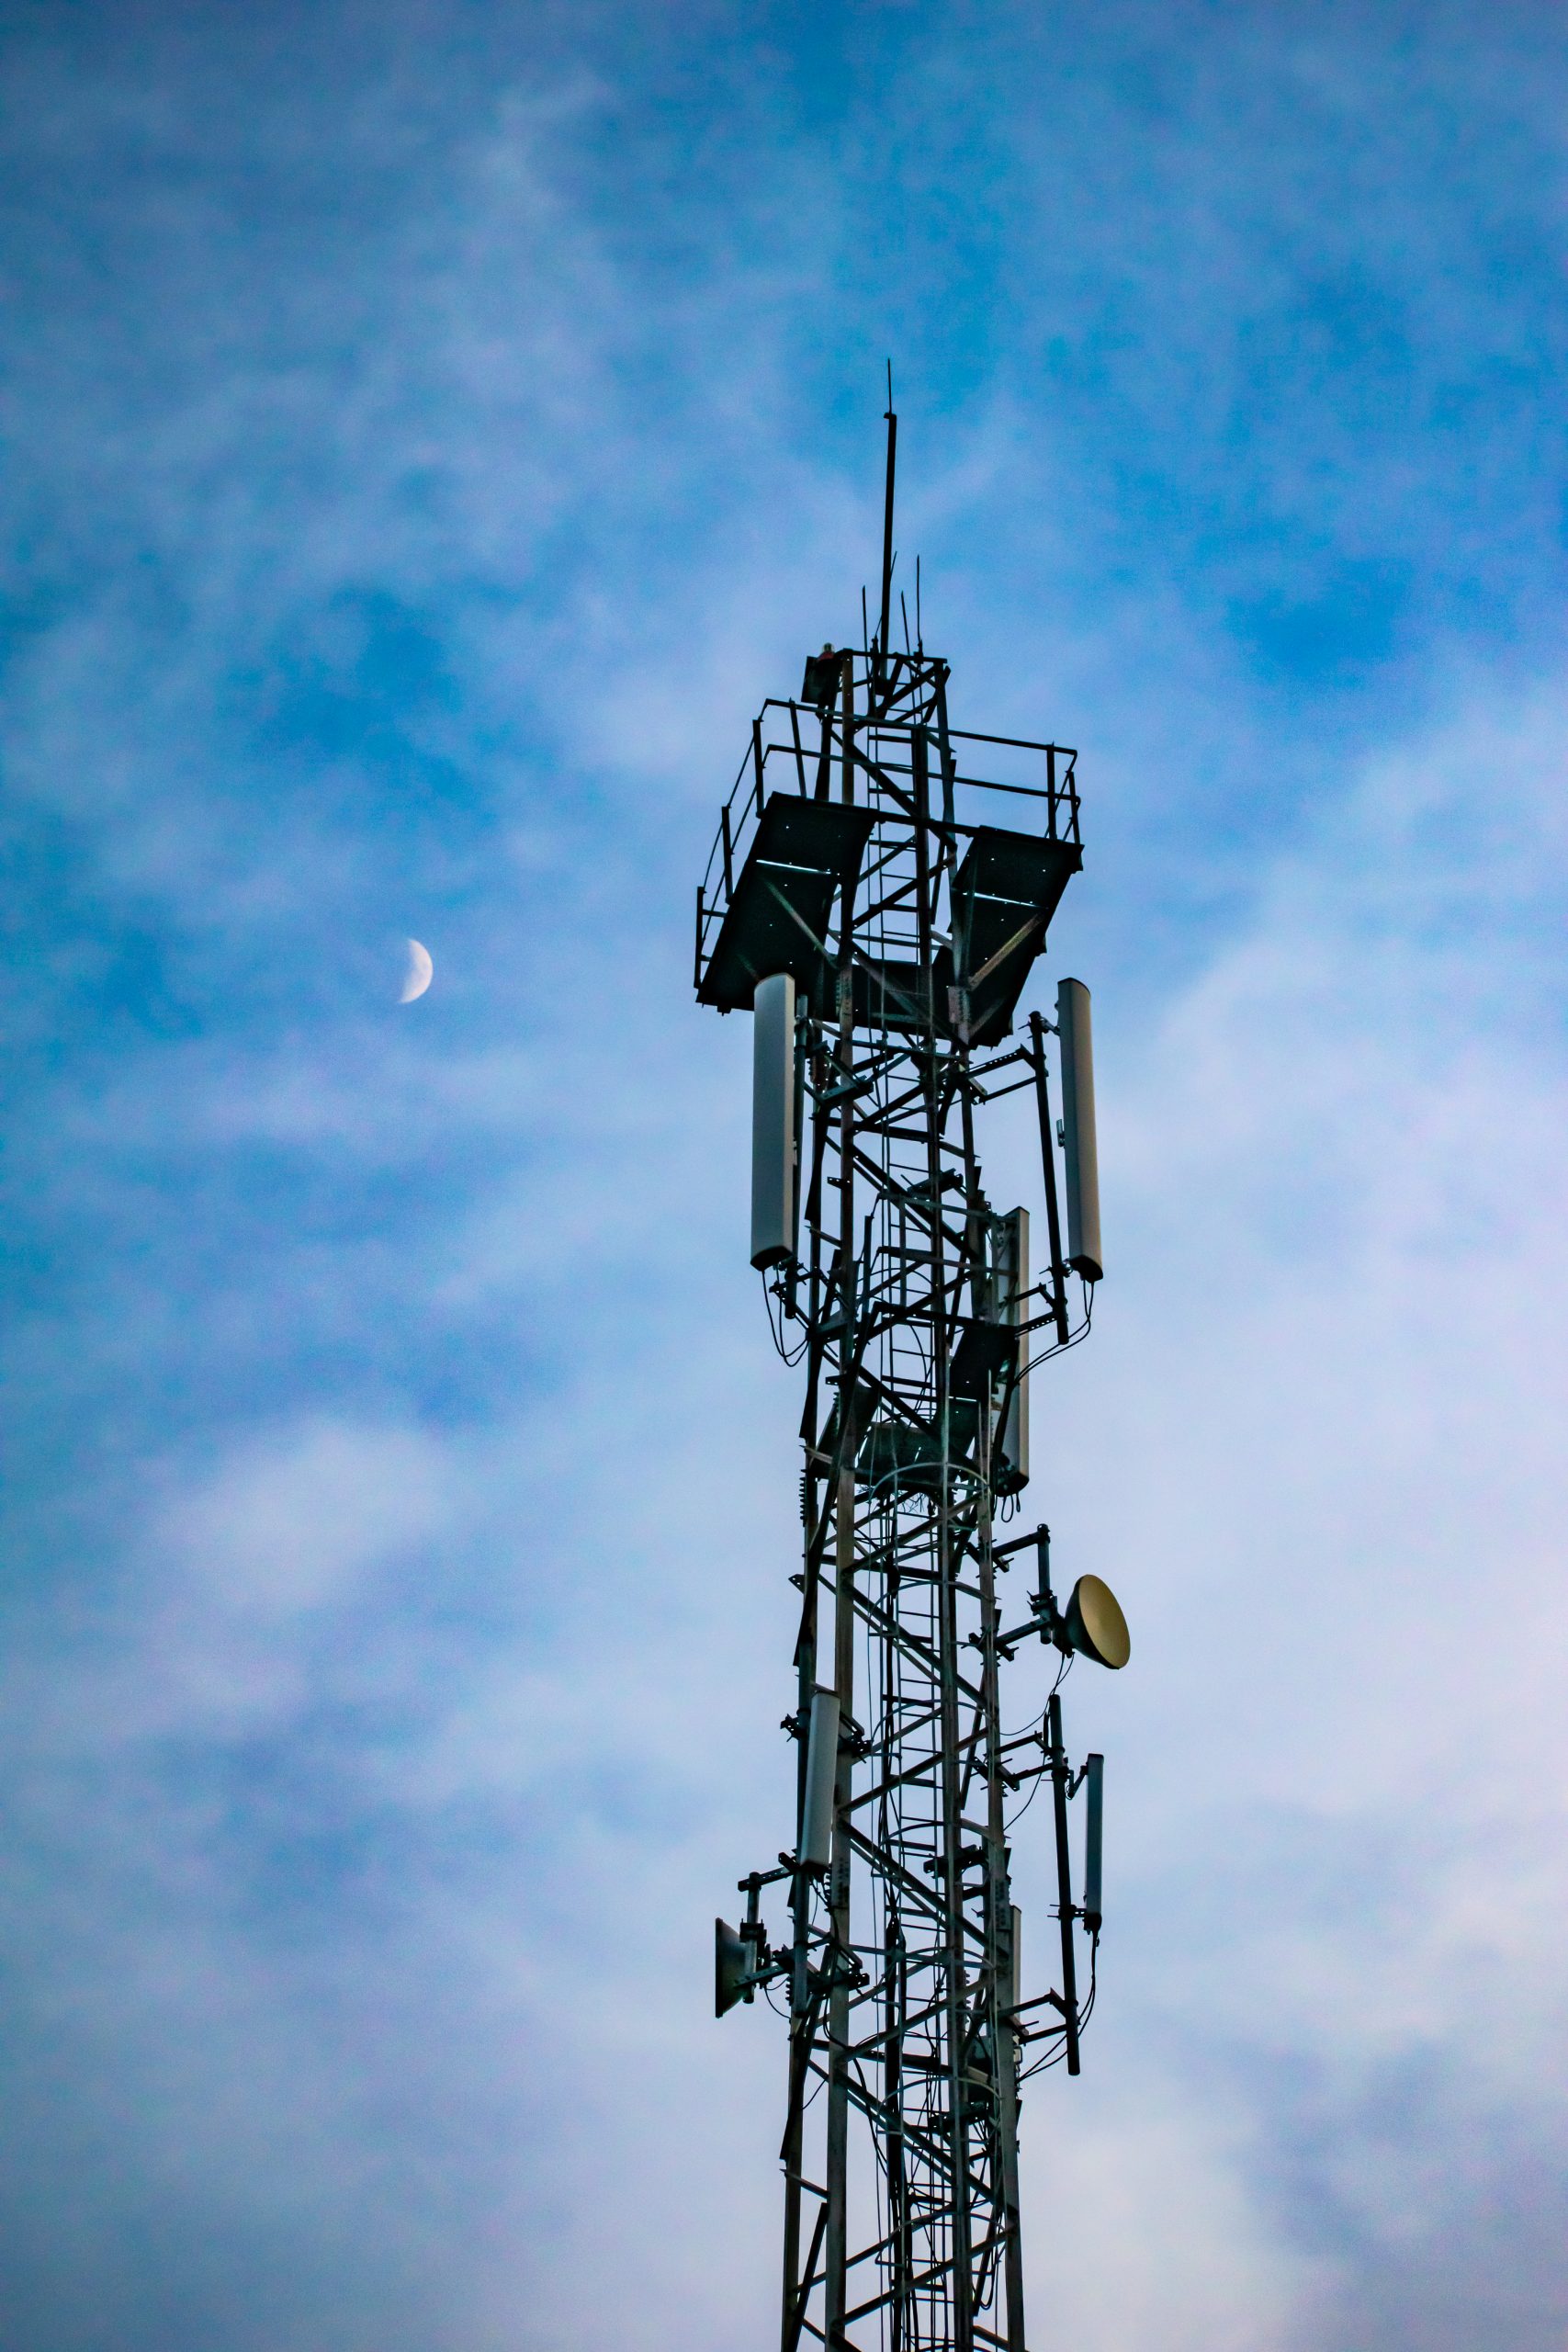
(416, 979)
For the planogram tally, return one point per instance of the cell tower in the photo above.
(862, 904)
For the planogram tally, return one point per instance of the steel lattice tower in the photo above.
(881, 928)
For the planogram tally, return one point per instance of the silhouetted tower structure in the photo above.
(864, 903)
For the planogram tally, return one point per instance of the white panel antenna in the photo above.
(1080, 1149)
(821, 1772)
(774, 1138)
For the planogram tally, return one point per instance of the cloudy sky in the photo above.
(428, 433)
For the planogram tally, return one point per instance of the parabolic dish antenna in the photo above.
(1096, 1625)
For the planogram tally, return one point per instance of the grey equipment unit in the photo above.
(1094, 1838)
(775, 1149)
(821, 1769)
(1077, 1127)
(732, 1963)
(1010, 1284)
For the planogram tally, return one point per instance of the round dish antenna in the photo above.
(1094, 1623)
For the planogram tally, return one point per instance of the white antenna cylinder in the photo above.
(821, 1773)
(775, 1143)
(1079, 1147)
(1015, 1961)
(1011, 1282)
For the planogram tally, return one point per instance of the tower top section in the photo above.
(862, 770)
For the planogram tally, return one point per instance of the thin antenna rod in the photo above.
(920, 632)
(888, 525)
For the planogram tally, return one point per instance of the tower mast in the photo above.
(863, 904)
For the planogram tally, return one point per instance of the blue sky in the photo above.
(428, 435)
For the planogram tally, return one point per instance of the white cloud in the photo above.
(294, 1526)
(1315, 1444)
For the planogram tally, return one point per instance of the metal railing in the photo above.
(1057, 791)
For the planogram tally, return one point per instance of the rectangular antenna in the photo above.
(1064, 1881)
(821, 1772)
(775, 1152)
(1080, 1148)
(1058, 1291)
(1094, 1838)
(1012, 1246)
